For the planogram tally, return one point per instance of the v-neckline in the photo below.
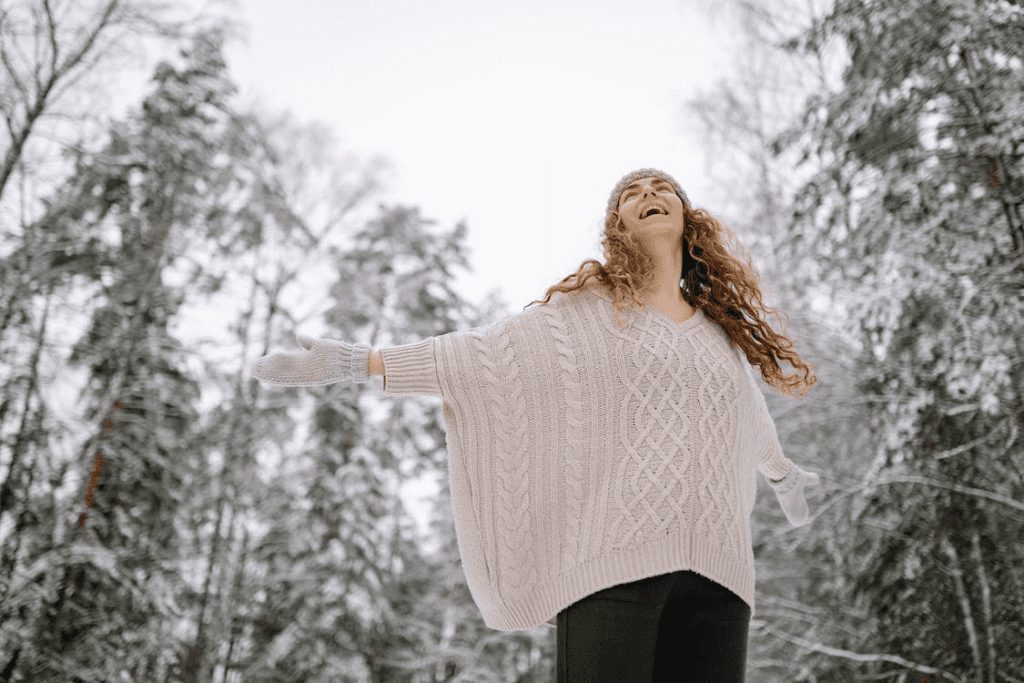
(695, 319)
(678, 324)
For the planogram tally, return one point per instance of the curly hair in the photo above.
(713, 280)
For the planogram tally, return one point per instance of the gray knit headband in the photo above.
(613, 198)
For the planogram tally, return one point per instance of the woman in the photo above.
(603, 447)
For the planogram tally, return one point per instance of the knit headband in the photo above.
(613, 198)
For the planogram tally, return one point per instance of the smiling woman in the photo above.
(651, 199)
(681, 261)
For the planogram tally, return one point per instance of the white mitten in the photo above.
(324, 361)
(790, 492)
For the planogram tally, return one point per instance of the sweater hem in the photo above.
(662, 556)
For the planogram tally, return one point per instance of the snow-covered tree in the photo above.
(904, 205)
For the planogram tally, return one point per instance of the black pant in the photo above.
(677, 627)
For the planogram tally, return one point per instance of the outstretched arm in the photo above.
(407, 368)
(322, 361)
(444, 365)
(785, 477)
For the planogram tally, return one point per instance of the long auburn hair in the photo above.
(713, 280)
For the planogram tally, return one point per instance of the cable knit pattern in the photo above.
(572, 399)
(506, 403)
(582, 455)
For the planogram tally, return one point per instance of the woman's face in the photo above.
(645, 194)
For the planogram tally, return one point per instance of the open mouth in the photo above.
(653, 211)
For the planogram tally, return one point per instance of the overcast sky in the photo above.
(518, 117)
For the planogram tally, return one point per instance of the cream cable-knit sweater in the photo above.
(582, 455)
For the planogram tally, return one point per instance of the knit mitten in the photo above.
(790, 492)
(324, 361)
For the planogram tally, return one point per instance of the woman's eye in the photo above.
(629, 195)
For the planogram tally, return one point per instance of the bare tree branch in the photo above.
(58, 63)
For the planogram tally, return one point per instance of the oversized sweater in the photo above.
(582, 455)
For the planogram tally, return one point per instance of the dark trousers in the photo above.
(677, 627)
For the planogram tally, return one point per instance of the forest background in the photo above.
(163, 516)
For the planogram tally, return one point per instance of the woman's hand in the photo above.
(790, 492)
(323, 361)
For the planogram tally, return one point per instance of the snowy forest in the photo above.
(165, 517)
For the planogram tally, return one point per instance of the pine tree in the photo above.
(111, 568)
(914, 212)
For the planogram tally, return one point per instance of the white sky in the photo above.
(518, 117)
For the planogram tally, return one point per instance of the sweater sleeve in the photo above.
(771, 461)
(450, 365)
(411, 368)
